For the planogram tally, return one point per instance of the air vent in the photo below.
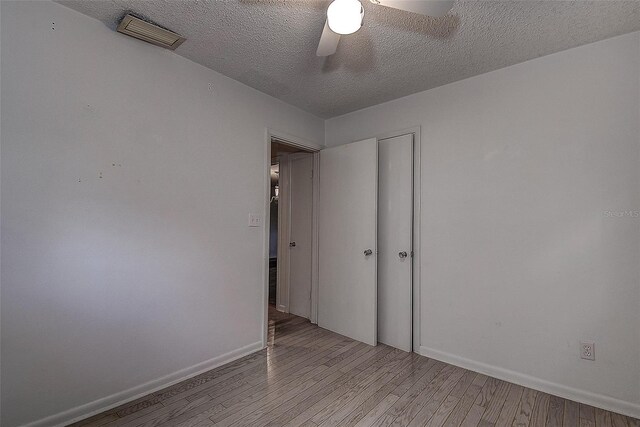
(143, 30)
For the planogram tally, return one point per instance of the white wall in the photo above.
(519, 258)
(126, 188)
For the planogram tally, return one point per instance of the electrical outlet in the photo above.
(587, 350)
(255, 220)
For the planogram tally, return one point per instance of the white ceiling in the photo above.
(270, 45)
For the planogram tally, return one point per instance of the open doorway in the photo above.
(290, 232)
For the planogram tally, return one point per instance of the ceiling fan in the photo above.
(346, 16)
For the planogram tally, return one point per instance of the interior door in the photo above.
(300, 233)
(347, 240)
(395, 229)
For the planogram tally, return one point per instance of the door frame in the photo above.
(416, 265)
(294, 141)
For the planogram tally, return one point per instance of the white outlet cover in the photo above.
(255, 220)
(587, 350)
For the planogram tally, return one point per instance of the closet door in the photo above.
(395, 229)
(347, 243)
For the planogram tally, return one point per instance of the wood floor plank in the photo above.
(429, 365)
(618, 420)
(162, 419)
(525, 409)
(473, 416)
(362, 359)
(243, 407)
(633, 422)
(461, 387)
(442, 413)
(308, 402)
(488, 391)
(316, 351)
(267, 416)
(96, 420)
(264, 415)
(350, 405)
(540, 410)
(132, 420)
(247, 417)
(603, 418)
(429, 407)
(510, 407)
(309, 407)
(446, 378)
(302, 409)
(466, 401)
(138, 405)
(329, 403)
(308, 376)
(376, 354)
(365, 393)
(195, 389)
(404, 377)
(334, 409)
(130, 415)
(587, 413)
(556, 411)
(571, 414)
(176, 389)
(409, 396)
(494, 406)
(253, 396)
(212, 408)
(199, 417)
(370, 417)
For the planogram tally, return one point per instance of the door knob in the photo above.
(368, 252)
(292, 244)
(402, 254)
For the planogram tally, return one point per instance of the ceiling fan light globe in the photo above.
(345, 16)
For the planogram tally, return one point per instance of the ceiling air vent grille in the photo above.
(143, 30)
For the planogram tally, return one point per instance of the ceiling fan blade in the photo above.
(328, 41)
(423, 7)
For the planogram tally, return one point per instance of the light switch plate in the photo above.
(255, 220)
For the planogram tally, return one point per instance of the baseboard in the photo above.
(104, 404)
(582, 396)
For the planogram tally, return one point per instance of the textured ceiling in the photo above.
(270, 45)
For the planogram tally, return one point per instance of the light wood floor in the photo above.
(312, 377)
